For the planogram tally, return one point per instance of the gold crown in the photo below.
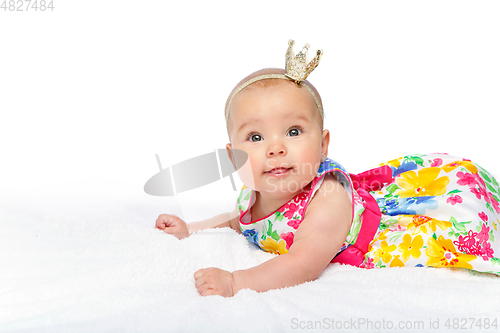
(296, 67)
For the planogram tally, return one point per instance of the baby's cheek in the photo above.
(309, 168)
(246, 175)
(307, 163)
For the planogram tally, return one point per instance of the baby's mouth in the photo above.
(279, 171)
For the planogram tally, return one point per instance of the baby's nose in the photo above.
(276, 151)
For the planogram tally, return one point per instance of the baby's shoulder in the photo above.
(330, 208)
(330, 193)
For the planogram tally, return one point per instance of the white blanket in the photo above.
(94, 263)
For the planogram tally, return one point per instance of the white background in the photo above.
(92, 90)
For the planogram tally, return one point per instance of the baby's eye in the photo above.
(294, 132)
(254, 138)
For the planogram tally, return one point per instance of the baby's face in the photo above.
(280, 128)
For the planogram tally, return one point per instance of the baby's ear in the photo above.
(238, 157)
(325, 142)
(230, 155)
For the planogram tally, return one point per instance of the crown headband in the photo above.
(296, 69)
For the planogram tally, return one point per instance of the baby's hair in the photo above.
(271, 82)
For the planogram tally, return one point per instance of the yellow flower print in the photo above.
(404, 220)
(272, 246)
(411, 247)
(421, 222)
(381, 236)
(415, 223)
(395, 163)
(440, 223)
(442, 253)
(384, 252)
(396, 262)
(466, 164)
(425, 183)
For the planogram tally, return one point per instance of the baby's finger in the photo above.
(169, 231)
(204, 287)
(200, 282)
(199, 273)
(209, 292)
(160, 223)
(170, 220)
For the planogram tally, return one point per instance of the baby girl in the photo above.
(419, 210)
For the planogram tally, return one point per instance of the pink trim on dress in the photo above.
(314, 181)
(371, 180)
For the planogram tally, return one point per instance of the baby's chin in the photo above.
(282, 181)
(282, 188)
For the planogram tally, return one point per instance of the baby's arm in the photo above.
(229, 219)
(317, 240)
(174, 225)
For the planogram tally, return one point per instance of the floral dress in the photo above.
(438, 210)
(418, 210)
(275, 232)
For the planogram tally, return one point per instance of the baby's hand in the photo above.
(214, 281)
(173, 225)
